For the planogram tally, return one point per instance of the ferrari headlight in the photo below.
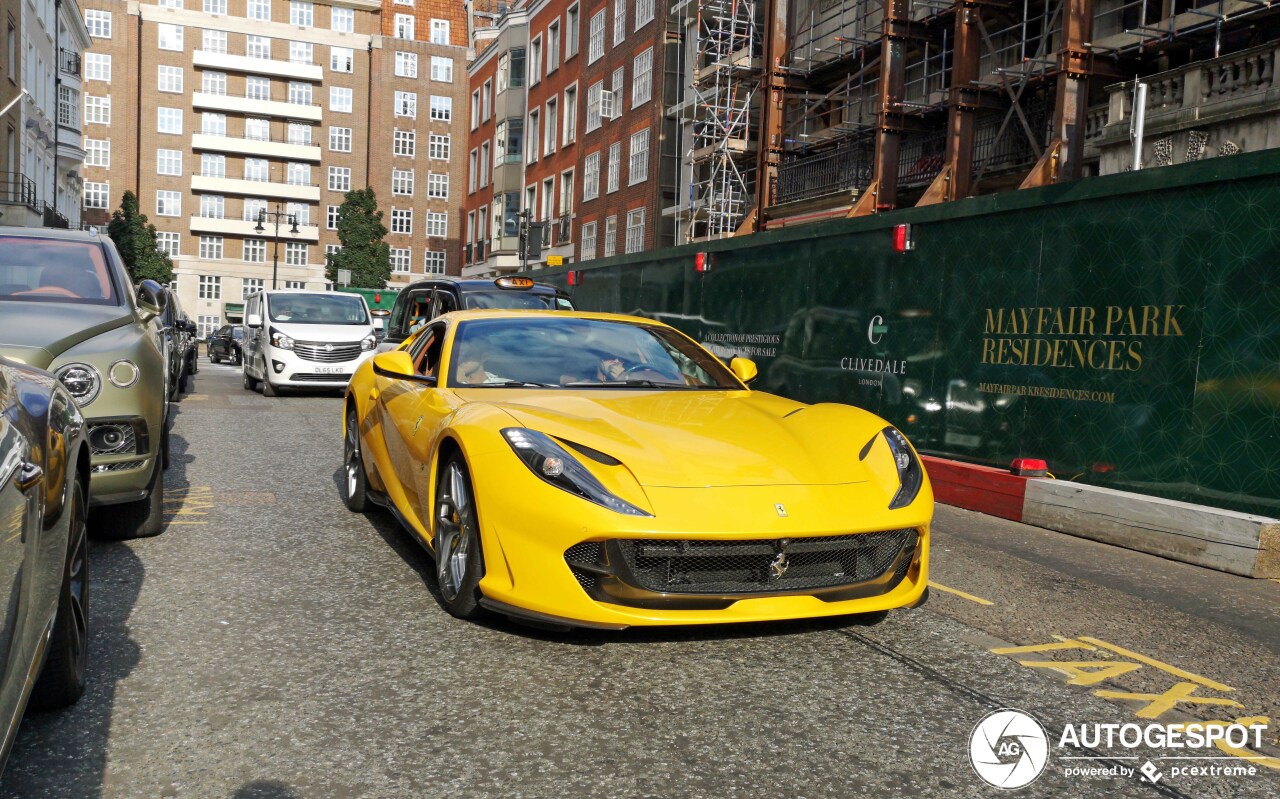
(910, 470)
(81, 381)
(280, 340)
(368, 342)
(551, 462)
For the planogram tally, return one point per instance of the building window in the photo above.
(642, 79)
(619, 21)
(339, 140)
(340, 99)
(552, 131)
(611, 237)
(214, 83)
(97, 66)
(433, 263)
(402, 181)
(614, 109)
(297, 174)
(587, 247)
(571, 114)
(299, 211)
(439, 31)
(258, 169)
(97, 152)
(486, 100)
(301, 53)
(97, 109)
(212, 206)
(342, 20)
(211, 250)
(437, 186)
(257, 129)
(441, 108)
(299, 133)
(170, 37)
(595, 38)
(340, 178)
(259, 9)
(591, 177)
(211, 166)
(644, 13)
(484, 164)
(257, 47)
(406, 65)
(255, 252)
(295, 254)
(214, 41)
(404, 26)
(535, 60)
(169, 120)
(250, 285)
(257, 88)
(638, 166)
(615, 165)
(299, 92)
(401, 259)
(68, 107)
(473, 171)
(210, 287)
(96, 194)
(438, 147)
(534, 139)
(302, 14)
(404, 142)
(442, 69)
(253, 208)
(98, 23)
(212, 124)
(331, 250)
(553, 46)
(437, 224)
(406, 105)
(168, 243)
(401, 220)
(331, 217)
(295, 284)
(635, 230)
(594, 92)
(571, 26)
(207, 325)
(341, 59)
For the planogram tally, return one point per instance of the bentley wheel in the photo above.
(355, 485)
(459, 561)
(61, 681)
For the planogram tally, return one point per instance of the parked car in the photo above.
(426, 299)
(180, 343)
(44, 483)
(225, 344)
(304, 339)
(66, 305)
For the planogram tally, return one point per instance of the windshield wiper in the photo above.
(517, 384)
(632, 383)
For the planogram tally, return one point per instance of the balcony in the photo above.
(248, 229)
(258, 108)
(18, 189)
(69, 62)
(265, 148)
(842, 169)
(256, 188)
(258, 66)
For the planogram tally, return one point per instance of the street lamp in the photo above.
(277, 215)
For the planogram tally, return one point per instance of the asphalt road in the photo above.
(271, 644)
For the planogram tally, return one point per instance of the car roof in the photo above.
(61, 234)
(560, 316)
(479, 284)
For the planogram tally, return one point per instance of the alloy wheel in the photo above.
(455, 522)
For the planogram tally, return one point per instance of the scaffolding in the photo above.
(724, 82)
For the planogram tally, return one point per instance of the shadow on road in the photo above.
(265, 789)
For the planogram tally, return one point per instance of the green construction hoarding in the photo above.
(1124, 328)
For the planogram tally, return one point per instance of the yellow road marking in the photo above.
(1062, 643)
(961, 594)
(1159, 704)
(1165, 667)
(1083, 672)
(176, 521)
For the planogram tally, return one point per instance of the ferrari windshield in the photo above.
(49, 270)
(318, 309)
(546, 352)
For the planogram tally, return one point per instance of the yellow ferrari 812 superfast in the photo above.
(573, 469)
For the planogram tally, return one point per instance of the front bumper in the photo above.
(532, 533)
(123, 473)
(287, 368)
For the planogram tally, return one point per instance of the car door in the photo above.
(19, 518)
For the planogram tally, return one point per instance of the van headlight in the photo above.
(280, 341)
(81, 381)
(369, 342)
(910, 470)
(551, 462)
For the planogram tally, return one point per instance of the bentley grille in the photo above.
(327, 352)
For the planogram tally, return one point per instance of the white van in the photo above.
(304, 339)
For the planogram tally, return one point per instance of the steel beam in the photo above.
(962, 115)
(774, 83)
(1075, 66)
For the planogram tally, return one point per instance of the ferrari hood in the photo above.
(36, 332)
(698, 438)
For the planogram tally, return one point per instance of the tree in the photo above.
(135, 238)
(361, 232)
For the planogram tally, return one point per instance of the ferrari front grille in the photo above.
(327, 352)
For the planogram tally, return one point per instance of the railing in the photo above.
(55, 219)
(466, 254)
(1095, 119)
(1242, 75)
(1012, 148)
(16, 187)
(802, 177)
(69, 62)
(921, 157)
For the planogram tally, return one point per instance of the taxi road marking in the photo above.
(961, 594)
(193, 501)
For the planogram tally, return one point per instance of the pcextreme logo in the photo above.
(1008, 749)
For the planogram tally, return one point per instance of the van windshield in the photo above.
(317, 309)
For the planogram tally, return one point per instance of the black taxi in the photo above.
(427, 299)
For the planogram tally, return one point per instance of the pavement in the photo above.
(271, 644)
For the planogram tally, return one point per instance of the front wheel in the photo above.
(355, 485)
(459, 561)
(61, 680)
(249, 383)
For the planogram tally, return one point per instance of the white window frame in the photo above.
(635, 224)
(342, 20)
(402, 182)
(644, 13)
(439, 31)
(595, 37)
(401, 220)
(406, 104)
(97, 152)
(169, 162)
(169, 243)
(97, 66)
(339, 139)
(252, 251)
(587, 241)
(98, 23)
(441, 69)
(594, 92)
(403, 26)
(404, 143)
(339, 179)
(210, 287)
(406, 64)
(638, 158)
(97, 195)
(342, 59)
(170, 37)
(302, 14)
(441, 108)
(341, 99)
(211, 248)
(167, 119)
(591, 176)
(438, 146)
(438, 185)
(615, 167)
(642, 79)
(437, 226)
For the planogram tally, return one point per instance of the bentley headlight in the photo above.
(910, 470)
(551, 462)
(81, 381)
(280, 341)
(368, 342)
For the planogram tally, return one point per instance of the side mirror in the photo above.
(744, 369)
(398, 365)
(150, 298)
(189, 326)
(253, 320)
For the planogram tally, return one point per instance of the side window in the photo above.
(445, 302)
(426, 350)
